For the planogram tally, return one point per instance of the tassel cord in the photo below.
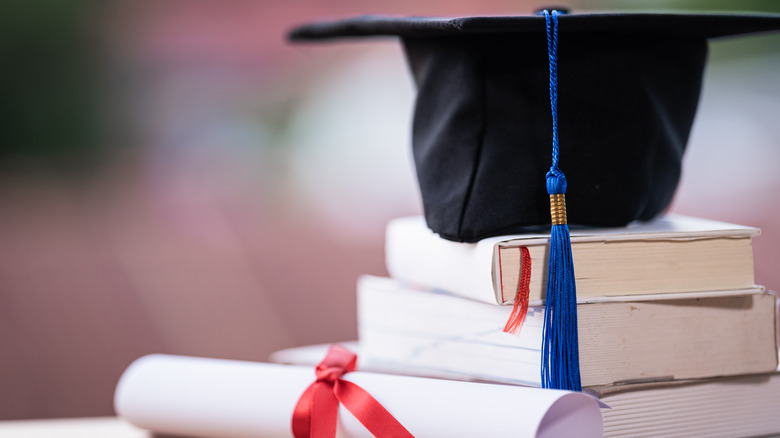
(560, 350)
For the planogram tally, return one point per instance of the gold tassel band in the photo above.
(558, 209)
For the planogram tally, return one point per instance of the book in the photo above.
(671, 254)
(721, 407)
(204, 397)
(409, 330)
(743, 405)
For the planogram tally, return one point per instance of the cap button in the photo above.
(560, 9)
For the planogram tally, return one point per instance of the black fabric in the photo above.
(482, 128)
(699, 25)
(628, 89)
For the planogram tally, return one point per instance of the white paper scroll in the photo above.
(221, 398)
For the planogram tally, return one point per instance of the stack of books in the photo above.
(675, 339)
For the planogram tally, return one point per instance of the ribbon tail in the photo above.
(368, 411)
(316, 413)
(301, 419)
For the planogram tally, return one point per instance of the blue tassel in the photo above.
(560, 349)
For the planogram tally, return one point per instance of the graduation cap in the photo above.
(506, 105)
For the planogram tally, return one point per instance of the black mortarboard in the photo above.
(629, 86)
(486, 129)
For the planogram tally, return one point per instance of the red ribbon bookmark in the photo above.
(316, 414)
(520, 309)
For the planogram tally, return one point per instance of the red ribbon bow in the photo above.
(316, 413)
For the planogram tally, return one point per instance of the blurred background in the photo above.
(175, 177)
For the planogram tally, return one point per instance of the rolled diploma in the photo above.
(202, 397)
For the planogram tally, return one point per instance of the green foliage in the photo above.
(48, 103)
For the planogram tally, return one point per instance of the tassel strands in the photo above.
(560, 350)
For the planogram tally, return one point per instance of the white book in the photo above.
(672, 254)
(423, 332)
